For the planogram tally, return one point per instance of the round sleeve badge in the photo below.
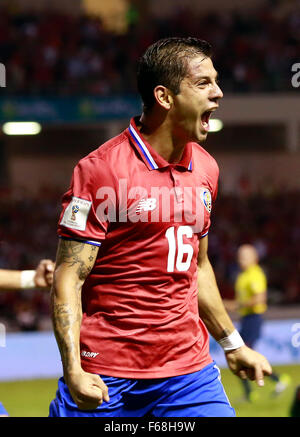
(206, 199)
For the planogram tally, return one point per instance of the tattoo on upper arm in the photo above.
(70, 253)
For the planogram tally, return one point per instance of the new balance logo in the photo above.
(89, 354)
(146, 205)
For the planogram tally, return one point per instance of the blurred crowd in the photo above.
(271, 222)
(27, 234)
(53, 53)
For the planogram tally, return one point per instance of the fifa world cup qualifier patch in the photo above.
(206, 199)
(76, 214)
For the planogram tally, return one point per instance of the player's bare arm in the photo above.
(42, 276)
(211, 308)
(242, 361)
(10, 279)
(74, 261)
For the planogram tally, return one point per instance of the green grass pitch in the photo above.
(32, 398)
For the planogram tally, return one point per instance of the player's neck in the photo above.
(157, 130)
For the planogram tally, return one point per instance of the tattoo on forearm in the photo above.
(225, 333)
(62, 314)
(65, 319)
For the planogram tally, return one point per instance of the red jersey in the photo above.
(140, 310)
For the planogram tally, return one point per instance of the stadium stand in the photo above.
(65, 54)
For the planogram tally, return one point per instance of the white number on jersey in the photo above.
(182, 248)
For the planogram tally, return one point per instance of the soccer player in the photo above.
(132, 273)
(251, 303)
(12, 280)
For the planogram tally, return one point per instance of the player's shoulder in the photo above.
(203, 157)
(258, 271)
(105, 154)
(255, 273)
(107, 150)
(206, 168)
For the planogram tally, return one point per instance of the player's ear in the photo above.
(163, 96)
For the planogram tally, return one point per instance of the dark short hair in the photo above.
(165, 63)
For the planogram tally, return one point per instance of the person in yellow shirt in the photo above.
(251, 303)
(250, 289)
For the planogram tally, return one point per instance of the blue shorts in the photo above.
(198, 394)
(3, 411)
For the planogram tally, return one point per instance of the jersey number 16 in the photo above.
(182, 248)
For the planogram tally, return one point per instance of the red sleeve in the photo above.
(209, 196)
(90, 203)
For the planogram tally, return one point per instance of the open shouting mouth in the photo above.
(205, 118)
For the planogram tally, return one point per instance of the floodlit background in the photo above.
(68, 68)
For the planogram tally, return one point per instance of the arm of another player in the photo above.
(74, 261)
(242, 361)
(21, 279)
